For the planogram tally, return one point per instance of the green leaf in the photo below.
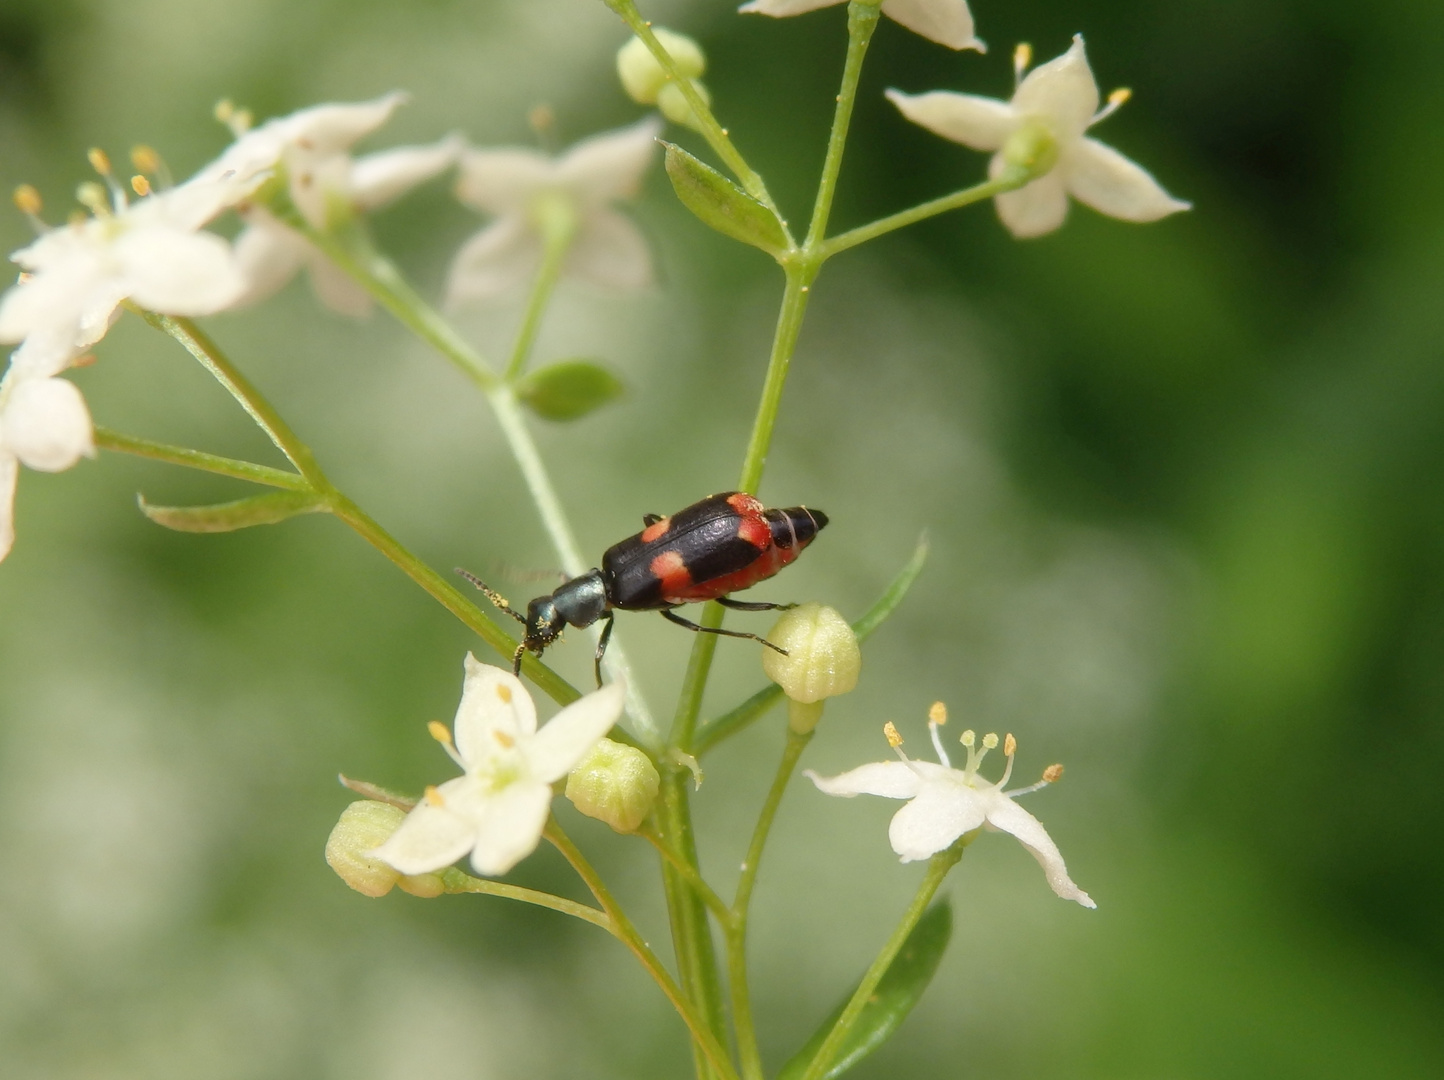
(901, 987)
(722, 204)
(568, 389)
(228, 517)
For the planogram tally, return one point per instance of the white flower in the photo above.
(944, 803)
(44, 424)
(1059, 99)
(520, 186)
(313, 147)
(497, 810)
(77, 275)
(948, 22)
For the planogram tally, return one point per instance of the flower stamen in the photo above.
(434, 796)
(100, 162)
(1051, 775)
(1022, 58)
(151, 164)
(1116, 101)
(937, 717)
(441, 734)
(28, 202)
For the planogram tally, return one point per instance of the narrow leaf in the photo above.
(569, 389)
(901, 987)
(722, 204)
(228, 517)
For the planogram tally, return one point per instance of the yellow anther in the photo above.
(145, 159)
(27, 200)
(938, 714)
(990, 740)
(439, 732)
(967, 738)
(92, 196)
(1022, 57)
(140, 185)
(503, 738)
(224, 110)
(504, 692)
(99, 160)
(1010, 744)
(1052, 774)
(893, 738)
(541, 119)
(1119, 96)
(434, 797)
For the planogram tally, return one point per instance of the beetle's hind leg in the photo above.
(605, 637)
(496, 598)
(672, 616)
(752, 605)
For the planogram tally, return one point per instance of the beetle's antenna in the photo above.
(492, 595)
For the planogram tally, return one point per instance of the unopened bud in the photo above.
(822, 659)
(615, 783)
(1031, 147)
(364, 826)
(641, 74)
(675, 106)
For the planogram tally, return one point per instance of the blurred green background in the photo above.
(1183, 484)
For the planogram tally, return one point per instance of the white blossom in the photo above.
(497, 809)
(944, 803)
(1059, 99)
(948, 22)
(521, 188)
(45, 425)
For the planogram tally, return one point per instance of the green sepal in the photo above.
(899, 990)
(722, 204)
(568, 389)
(228, 517)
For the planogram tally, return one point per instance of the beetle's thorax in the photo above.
(581, 601)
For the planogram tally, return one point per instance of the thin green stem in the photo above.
(107, 439)
(938, 868)
(715, 134)
(558, 234)
(1009, 180)
(694, 879)
(458, 882)
(861, 22)
(736, 927)
(702, 1034)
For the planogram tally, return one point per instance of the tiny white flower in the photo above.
(948, 22)
(45, 425)
(1059, 99)
(498, 808)
(517, 186)
(313, 147)
(944, 803)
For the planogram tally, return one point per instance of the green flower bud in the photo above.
(1032, 147)
(675, 107)
(615, 783)
(643, 77)
(364, 826)
(822, 659)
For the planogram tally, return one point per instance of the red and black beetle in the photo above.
(721, 545)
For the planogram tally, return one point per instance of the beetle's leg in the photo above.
(605, 637)
(651, 519)
(495, 597)
(516, 659)
(752, 605)
(672, 616)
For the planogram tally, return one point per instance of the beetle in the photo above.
(720, 545)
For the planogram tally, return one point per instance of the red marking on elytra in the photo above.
(671, 570)
(656, 530)
(745, 504)
(756, 532)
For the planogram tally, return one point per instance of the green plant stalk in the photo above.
(715, 134)
(938, 868)
(559, 228)
(736, 927)
(106, 439)
(703, 1037)
(456, 881)
(694, 879)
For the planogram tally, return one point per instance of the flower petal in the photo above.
(492, 700)
(1034, 209)
(890, 779)
(940, 814)
(982, 123)
(567, 737)
(512, 827)
(333, 127)
(610, 165)
(1062, 91)
(501, 257)
(268, 255)
(377, 179)
(435, 836)
(1100, 177)
(336, 289)
(780, 9)
(948, 22)
(46, 425)
(9, 475)
(177, 272)
(1005, 814)
(611, 252)
(503, 181)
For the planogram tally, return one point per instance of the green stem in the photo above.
(458, 882)
(107, 439)
(938, 868)
(694, 879)
(736, 927)
(622, 927)
(715, 134)
(558, 229)
(861, 22)
(1009, 180)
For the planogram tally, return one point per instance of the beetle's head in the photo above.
(544, 624)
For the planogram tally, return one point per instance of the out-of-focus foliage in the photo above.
(1183, 483)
